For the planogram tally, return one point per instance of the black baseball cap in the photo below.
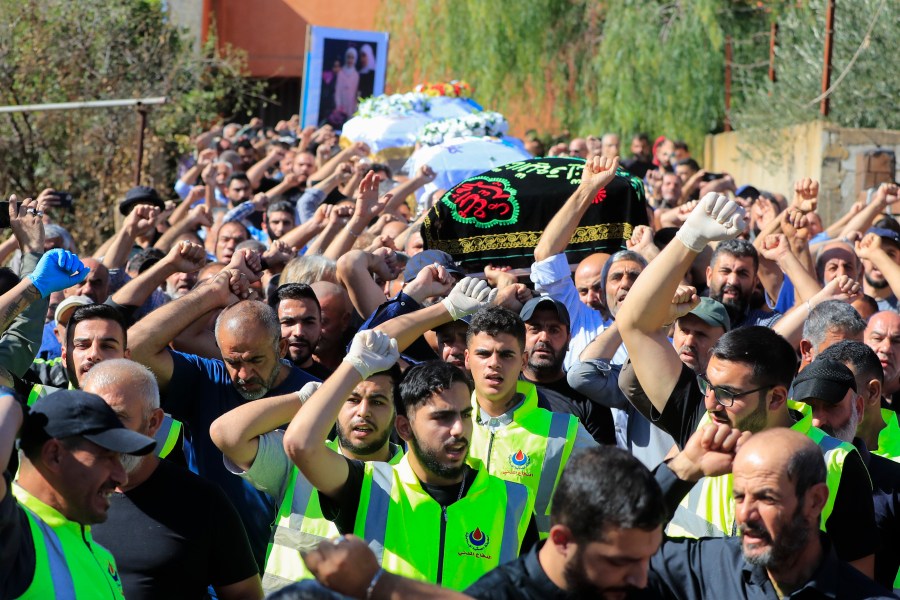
(824, 379)
(140, 194)
(546, 302)
(67, 413)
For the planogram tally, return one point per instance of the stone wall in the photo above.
(844, 160)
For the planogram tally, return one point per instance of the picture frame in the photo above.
(341, 67)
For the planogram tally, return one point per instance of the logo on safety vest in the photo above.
(519, 463)
(477, 540)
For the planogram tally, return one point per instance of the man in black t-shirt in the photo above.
(173, 533)
(547, 336)
(745, 386)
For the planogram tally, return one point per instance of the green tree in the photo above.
(653, 65)
(864, 51)
(61, 51)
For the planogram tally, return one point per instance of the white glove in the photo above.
(372, 352)
(468, 296)
(714, 218)
(306, 392)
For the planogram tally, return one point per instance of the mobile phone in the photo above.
(64, 199)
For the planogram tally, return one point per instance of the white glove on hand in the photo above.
(714, 218)
(468, 296)
(306, 392)
(372, 352)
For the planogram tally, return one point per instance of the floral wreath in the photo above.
(491, 124)
(394, 105)
(454, 89)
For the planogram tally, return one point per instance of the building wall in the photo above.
(273, 32)
(774, 160)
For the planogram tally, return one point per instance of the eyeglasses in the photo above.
(724, 397)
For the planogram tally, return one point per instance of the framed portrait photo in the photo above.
(342, 67)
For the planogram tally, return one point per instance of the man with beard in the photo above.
(546, 343)
(437, 515)
(251, 437)
(71, 447)
(300, 317)
(745, 385)
(732, 277)
(199, 390)
(780, 495)
(878, 428)
(185, 546)
(883, 336)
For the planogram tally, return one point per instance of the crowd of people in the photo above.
(268, 386)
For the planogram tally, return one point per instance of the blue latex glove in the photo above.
(57, 270)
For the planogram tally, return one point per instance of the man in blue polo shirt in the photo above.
(198, 390)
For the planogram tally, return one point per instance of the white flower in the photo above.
(394, 105)
(483, 124)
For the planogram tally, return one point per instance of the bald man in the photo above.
(337, 312)
(95, 286)
(588, 282)
(609, 145)
(200, 390)
(779, 494)
(883, 336)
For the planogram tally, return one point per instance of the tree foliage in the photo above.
(60, 51)
(652, 65)
(867, 95)
(625, 66)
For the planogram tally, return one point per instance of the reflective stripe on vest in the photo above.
(889, 437)
(402, 525)
(49, 555)
(378, 508)
(708, 510)
(300, 525)
(39, 391)
(68, 563)
(167, 436)
(553, 456)
(531, 449)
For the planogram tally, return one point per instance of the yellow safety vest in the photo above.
(166, 436)
(708, 510)
(414, 536)
(531, 447)
(889, 437)
(69, 565)
(300, 525)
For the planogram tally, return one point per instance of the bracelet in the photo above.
(371, 589)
